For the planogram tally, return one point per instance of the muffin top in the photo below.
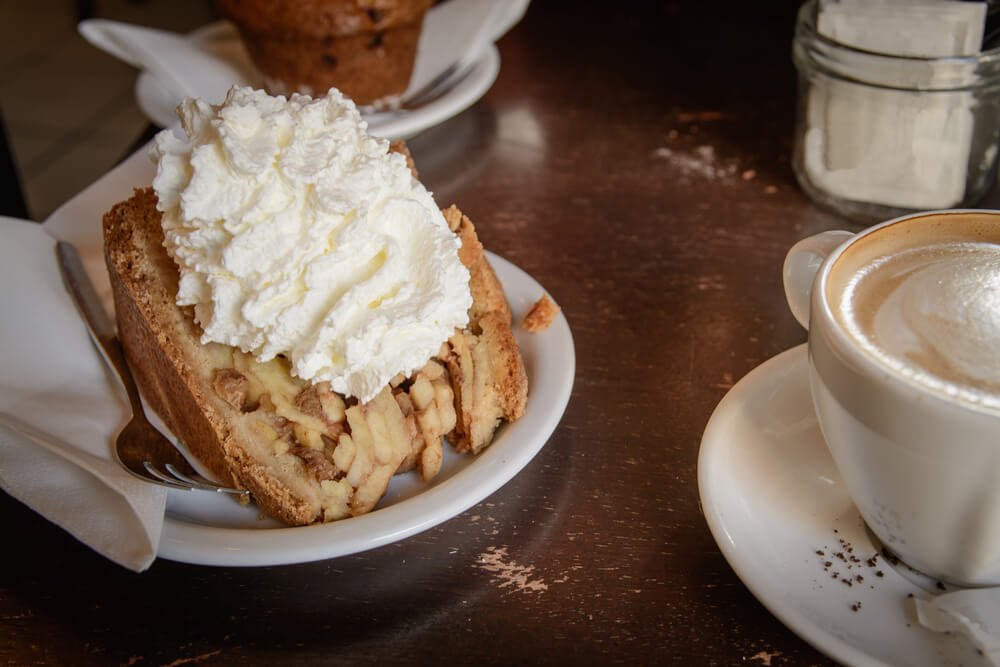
(321, 18)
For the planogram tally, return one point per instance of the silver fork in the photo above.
(140, 448)
(439, 86)
(433, 90)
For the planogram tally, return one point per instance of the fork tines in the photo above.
(178, 480)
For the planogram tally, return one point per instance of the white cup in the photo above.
(920, 455)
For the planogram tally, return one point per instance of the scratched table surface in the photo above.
(636, 163)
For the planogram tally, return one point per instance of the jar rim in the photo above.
(900, 72)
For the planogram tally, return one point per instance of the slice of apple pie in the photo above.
(305, 453)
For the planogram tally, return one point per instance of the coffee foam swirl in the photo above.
(933, 314)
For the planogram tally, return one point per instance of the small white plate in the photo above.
(220, 38)
(206, 529)
(782, 517)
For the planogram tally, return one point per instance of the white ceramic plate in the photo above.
(781, 515)
(158, 103)
(205, 529)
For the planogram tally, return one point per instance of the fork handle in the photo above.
(100, 326)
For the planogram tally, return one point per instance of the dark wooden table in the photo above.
(636, 163)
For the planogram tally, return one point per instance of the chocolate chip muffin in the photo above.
(365, 48)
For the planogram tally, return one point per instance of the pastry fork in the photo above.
(437, 87)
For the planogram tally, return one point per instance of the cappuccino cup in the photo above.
(904, 370)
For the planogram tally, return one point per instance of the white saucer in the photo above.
(782, 518)
(220, 38)
(207, 529)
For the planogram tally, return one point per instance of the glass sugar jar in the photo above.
(878, 136)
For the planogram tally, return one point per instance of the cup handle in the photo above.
(801, 265)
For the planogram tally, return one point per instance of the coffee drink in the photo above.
(904, 373)
(926, 303)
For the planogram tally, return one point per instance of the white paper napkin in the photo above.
(60, 409)
(972, 612)
(922, 28)
(186, 68)
(456, 31)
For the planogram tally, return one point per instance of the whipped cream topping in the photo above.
(296, 233)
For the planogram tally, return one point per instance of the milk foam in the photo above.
(933, 314)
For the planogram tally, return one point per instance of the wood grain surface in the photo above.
(635, 161)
